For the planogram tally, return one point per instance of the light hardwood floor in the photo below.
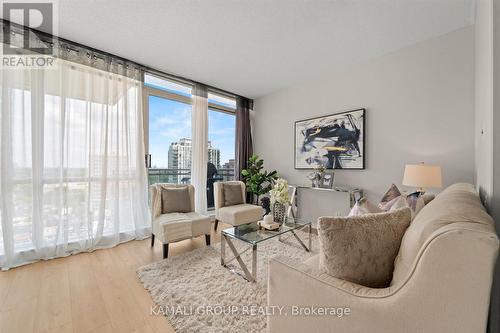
(88, 292)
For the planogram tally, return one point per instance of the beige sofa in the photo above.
(174, 227)
(236, 214)
(441, 281)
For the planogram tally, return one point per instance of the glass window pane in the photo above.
(21, 129)
(221, 136)
(169, 141)
(170, 86)
(22, 216)
(225, 101)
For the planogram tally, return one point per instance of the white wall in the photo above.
(484, 99)
(495, 200)
(487, 77)
(420, 107)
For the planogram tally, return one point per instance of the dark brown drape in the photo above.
(244, 147)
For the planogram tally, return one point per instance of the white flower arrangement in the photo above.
(279, 193)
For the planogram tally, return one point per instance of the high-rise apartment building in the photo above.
(179, 158)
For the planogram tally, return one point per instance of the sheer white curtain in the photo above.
(72, 173)
(199, 137)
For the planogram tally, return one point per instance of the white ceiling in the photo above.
(257, 47)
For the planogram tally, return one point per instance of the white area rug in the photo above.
(184, 287)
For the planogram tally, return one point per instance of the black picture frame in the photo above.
(338, 160)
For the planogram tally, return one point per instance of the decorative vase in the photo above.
(265, 202)
(279, 212)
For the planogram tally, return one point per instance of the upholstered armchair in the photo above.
(441, 281)
(231, 206)
(176, 225)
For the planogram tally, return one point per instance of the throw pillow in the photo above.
(175, 200)
(399, 202)
(232, 195)
(428, 198)
(364, 206)
(389, 197)
(413, 201)
(362, 249)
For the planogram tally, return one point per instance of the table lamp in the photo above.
(422, 176)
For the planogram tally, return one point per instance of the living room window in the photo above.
(70, 176)
(168, 133)
(177, 88)
(221, 136)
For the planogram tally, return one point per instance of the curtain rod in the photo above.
(46, 37)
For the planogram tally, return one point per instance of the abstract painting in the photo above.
(335, 141)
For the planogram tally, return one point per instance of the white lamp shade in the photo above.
(421, 175)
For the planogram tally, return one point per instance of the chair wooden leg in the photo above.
(207, 239)
(165, 251)
(216, 224)
(152, 240)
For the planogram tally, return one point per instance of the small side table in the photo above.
(252, 235)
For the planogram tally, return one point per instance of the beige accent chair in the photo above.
(441, 281)
(174, 227)
(236, 214)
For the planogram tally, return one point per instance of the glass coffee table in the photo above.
(252, 235)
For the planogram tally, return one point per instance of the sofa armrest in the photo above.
(295, 287)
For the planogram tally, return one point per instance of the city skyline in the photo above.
(170, 121)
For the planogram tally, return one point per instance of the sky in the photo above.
(170, 121)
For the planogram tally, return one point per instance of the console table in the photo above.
(310, 203)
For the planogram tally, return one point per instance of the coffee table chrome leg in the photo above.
(223, 250)
(254, 262)
(248, 276)
(300, 241)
